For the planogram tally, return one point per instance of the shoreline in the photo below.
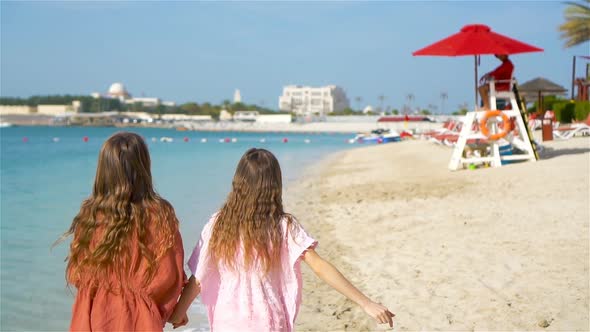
(492, 249)
(294, 127)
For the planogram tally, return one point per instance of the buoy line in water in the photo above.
(186, 139)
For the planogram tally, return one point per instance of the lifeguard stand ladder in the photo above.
(470, 127)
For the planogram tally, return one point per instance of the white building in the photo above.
(148, 102)
(305, 100)
(274, 118)
(185, 117)
(118, 91)
(368, 109)
(237, 96)
(247, 116)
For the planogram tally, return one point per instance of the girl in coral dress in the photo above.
(246, 265)
(126, 256)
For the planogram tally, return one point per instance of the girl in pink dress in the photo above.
(246, 266)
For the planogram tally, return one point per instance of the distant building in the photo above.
(237, 96)
(59, 109)
(274, 118)
(224, 115)
(305, 100)
(118, 91)
(42, 109)
(17, 110)
(247, 116)
(368, 109)
(185, 117)
(148, 102)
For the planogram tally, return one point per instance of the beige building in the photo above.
(59, 109)
(16, 110)
(306, 100)
(52, 110)
(224, 115)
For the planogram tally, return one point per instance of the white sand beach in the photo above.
(489, 249)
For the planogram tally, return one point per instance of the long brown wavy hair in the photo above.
(123, 206)
(251, 216)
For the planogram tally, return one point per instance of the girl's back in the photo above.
(133, 305)
(249, 299)
(126, 254)
(246, 265)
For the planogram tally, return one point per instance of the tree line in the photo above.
(89, 104)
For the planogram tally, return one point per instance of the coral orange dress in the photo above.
(137, 306)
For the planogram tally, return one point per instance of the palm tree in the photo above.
(358, 102)
(381, 99)
(576, 29)
(226, 104)
(443, 96)
(409, 98)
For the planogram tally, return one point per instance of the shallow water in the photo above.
(46, 172)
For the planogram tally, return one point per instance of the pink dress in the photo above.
(245, 301)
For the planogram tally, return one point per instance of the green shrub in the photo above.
(564, 111)
(568, 111)
(550, 101)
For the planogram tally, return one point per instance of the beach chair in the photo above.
(569, 131)
(534, 123)
(447, 127)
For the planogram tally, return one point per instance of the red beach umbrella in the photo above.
(476, 39)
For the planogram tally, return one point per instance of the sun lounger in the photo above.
(567, 132)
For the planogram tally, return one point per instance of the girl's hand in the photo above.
(178, 320)
(379, 312)
(183, 321)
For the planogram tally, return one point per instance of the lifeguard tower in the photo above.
(497, 128)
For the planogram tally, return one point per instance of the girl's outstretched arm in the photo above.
(328, 273)
(189, 293)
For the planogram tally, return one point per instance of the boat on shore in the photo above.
(5, 124)
(377, 136)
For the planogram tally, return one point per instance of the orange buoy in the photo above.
(506, 125)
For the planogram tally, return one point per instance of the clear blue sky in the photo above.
(202, 51)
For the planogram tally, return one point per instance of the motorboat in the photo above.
(378, 136)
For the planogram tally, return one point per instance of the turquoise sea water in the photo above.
(43, 181)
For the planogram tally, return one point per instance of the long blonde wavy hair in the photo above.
(123, 205)
(251, 215)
